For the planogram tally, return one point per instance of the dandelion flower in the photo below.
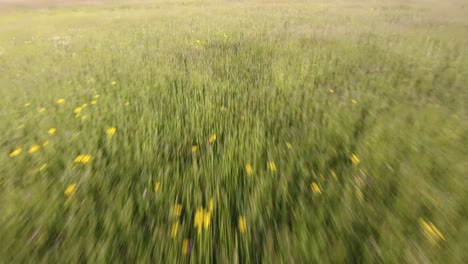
(27, 104)
(242, 224)
(212, 138)
(249, 169)
(42, 110)
(174, 229)
(34, 148)
(288, 145)
(315, 188)
(93, 102)
(43, 167)
(52, 131)
(16, 152)
(113, 83)
(355, 159)
(84, 105)
(70, 189)
(331, 90)
(198, 42)
(83, 159)
(271, 166)
(111, 131)
(60, 101)
(353, 101)
(96, 96)
(199, 218)
(156, 186)
(45, 143)
(185, 247)
(431, 231)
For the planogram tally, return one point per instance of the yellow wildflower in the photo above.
(194, 148)
(42, 110)
(156, 186)
(96, 96)
(111, 131)
(113, 83)
(127, 103)
(43, 167)
(212, 138)
(52, 131)
(60, 101)
(331, 90)
(198, 42)
(271, 166)
(315, 188)
(33, 149)
(70, 189)
(45, 143)
(225, 35)
(83, 159)
(199, 218)
(174, 229)
(77, 110)
(288, 145)
(355, 159)
(27, 104)
(353, 101)
(16, 152)
(185, 247)
(93, 102)
(178, 209)
(249, 169)
(84, 105)
(242, 224)
(333, 173)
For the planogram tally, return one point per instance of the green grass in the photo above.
(286, 73)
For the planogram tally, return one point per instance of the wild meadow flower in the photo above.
(16, 152)
(242, 225)
(331, 90)
(77, 110)
(83, 159)
(114, 83)
(156, 186)
(355, 159)
(70, 189)
(288, 145)
(127, 103)
(353, 101)
(52, 131)
(431, 231)
(96, 96)
(93, 102)
(207, 219)
(198, 42)
(27, 104)
(42, 110)
(84, 105)
(60, 101)
(174, 229)
(271, 166)
(45, 143)
(111, 131)
(225, 35)
(34, 148)
(249, 169)
(315, 188)
(198, 221)
(212, 138)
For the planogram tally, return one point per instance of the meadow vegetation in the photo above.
(234, 132)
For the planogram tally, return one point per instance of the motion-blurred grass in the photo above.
(241, 118)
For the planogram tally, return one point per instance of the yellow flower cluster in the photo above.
(203, 217)
(70, 189)
(355, 159)
(431, 231)
(249, 169)
(271, 166)
(83, 159)
(242, 224)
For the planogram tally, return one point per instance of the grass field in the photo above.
(234, 132)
